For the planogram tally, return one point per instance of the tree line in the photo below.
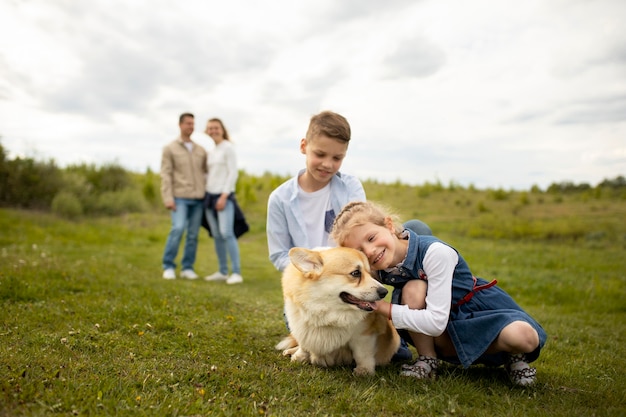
(91, 190)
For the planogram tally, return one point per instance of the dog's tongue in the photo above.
(362, 304)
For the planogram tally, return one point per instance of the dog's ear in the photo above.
(306, 260)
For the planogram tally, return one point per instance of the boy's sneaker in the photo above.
(189, 274)
(234, 279)
(520, 372)
(217, 276)
(169, 273)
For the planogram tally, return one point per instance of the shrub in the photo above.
(150, 188)
(524, 199)
(110, 177)
(120, 202)
(29, 184)
(498, 195)
(66, 204)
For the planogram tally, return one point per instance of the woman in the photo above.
(220, 211)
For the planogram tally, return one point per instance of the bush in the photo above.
(110, 177)
(121, 202)
(27, 183)
(150, 187)
(66, 204)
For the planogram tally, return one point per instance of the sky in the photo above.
(492, 94)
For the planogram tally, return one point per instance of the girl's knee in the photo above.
(414, 294)
(526, 338)
(531, 339)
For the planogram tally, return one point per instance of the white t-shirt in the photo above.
(315, 210)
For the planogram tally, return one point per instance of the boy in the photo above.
(300, 212)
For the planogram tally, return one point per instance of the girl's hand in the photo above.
(383, 307)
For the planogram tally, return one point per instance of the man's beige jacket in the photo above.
(183, 173)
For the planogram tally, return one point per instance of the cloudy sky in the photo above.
(503, 93)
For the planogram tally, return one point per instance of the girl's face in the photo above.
(214, 129)
(379, 243)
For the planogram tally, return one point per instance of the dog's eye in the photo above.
(356, 273)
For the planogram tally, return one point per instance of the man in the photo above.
(183, 182)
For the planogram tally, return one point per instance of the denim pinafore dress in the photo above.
(480, 309)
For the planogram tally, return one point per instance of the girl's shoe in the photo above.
(519, 371)
(425, 367)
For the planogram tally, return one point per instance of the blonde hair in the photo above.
(329, 124)
(358, 213)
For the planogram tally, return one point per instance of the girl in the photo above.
(445, 309)
(221, 206)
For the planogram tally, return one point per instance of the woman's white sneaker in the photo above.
(234, 279)
(217, 276)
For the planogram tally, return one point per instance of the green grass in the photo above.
(88, 327)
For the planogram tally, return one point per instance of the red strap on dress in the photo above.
(476, 288)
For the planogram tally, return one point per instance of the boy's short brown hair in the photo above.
(329, 124)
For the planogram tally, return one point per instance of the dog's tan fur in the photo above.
(327, 330)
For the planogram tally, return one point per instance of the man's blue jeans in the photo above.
(222, 229)
(187, 217)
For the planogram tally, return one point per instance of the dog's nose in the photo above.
(382, 292)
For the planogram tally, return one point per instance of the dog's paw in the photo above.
(300, 355)
(290, 351)
(363, 371)
(322, 361)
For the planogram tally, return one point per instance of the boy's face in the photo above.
(324, 156)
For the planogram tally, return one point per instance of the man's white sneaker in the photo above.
(217, 276)
(189, 274)
(234, 279)
(169, 273)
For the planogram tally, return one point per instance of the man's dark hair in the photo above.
(182, 117)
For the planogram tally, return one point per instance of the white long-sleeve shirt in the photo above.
(439, 263)
(222, 163)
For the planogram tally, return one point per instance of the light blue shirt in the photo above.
(285, 224)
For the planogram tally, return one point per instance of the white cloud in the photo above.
(495, 94)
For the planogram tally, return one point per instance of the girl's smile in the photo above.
(379, 243)
(378, 258)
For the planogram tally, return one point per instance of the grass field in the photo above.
(88, 327)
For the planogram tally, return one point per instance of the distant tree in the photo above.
(618, 182)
